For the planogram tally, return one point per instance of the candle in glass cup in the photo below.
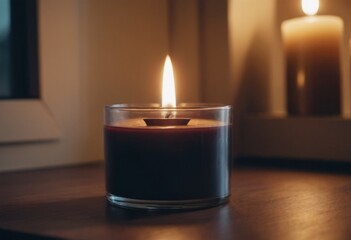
(167, 157)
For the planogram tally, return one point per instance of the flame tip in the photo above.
(310, 7)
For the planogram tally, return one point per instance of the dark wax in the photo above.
(167, 163)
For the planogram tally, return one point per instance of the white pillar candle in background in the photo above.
(312, 47)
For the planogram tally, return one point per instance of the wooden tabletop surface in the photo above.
(266, 203)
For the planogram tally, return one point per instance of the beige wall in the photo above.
(124, 44)
(98, 52)
(215, 83)
(184, 48)
(252, 52)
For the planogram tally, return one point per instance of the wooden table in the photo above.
(266, 203)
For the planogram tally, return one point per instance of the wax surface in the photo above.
(160, 163)
(312, 48)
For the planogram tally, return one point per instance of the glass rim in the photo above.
(157, 106)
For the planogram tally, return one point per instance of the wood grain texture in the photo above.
(266, 203)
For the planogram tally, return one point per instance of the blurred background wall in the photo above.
(99, 52)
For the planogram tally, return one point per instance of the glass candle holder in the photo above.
(167, 158)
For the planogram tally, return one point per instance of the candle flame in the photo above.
(310, 7)
(168, 89)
